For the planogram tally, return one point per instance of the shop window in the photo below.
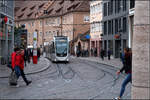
(86, 19)
(105, 28)
(124, 24)
(105, 9)
(116, 26)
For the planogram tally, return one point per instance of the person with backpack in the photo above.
(127, 67)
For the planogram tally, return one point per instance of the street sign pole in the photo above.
(35, 47)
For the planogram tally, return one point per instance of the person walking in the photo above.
(25, 56)
(102, 54)
(95, 52)
(109, 54)
(19, 65)
(38, 53)
(13, 55)
(91, 51)
(28, 57)
(127, 67)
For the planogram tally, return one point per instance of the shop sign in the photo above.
(117, 36)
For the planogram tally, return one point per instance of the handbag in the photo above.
(13, 78)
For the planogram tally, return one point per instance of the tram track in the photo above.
(59, 72)
(105, 72)
(78, 74)
(70, 70)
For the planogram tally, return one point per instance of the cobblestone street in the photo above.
(78, 79)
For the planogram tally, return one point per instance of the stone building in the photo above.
(6, 30)
(96, 25)
(141, 51)
(115, 26)
(68, 18)
(28, 15)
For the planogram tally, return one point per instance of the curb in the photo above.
(100, 63)
(34, 72)
(103, 64)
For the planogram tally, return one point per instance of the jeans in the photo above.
(125, 82)
(23, 76)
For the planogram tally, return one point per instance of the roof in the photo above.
(32, 9)
(61, 7)
(46, 8)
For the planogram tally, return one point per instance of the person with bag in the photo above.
(20, 64)
(13, 77)
(127, 67)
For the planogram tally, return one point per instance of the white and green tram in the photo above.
(58, 50)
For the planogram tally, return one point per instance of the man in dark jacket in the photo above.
(102, 53)
(127, 67)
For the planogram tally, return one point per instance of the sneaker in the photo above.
(17, 85)
(117, 98)
(29, 82)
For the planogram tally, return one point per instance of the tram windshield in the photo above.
(61, 48)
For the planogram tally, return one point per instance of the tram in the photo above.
(58, 49)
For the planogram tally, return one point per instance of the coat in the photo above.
(19, 61)
(13, 55)
(127, 66)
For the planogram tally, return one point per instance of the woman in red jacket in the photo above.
(19, 61)
(13, 55)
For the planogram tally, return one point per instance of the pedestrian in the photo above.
(95, 52)
(127, 67)
(31, 54)
(25, 56)
(38, 53)
(13, 55)
(91, 51)
(102, 54)
(109, 54)
(19, 65)
(28, 57)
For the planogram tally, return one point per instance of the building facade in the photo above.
(115, 26)
(6, 30)
(95, 26)
(53, 18)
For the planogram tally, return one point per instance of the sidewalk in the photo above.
(31, 68)
(115, 62)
